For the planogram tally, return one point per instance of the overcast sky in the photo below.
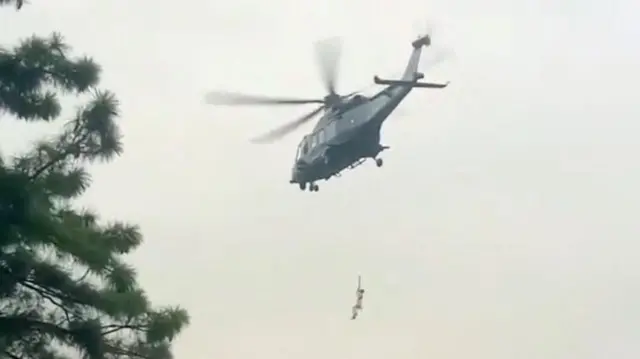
(503, 224)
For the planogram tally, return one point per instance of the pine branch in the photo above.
(33, 68)
(49, 294)
(18, 3)
(12, 356)
(70, 150)
(24, 324)
(126, 352)
(43, 305)
(110, 329)
(50, 298)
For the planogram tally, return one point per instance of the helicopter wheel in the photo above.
(302, 186)
(379, 162)
(314, 187)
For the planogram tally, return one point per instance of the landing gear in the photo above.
(379, 161)
(312, 187)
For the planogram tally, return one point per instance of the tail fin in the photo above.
(411, 70)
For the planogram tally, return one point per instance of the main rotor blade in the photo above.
(328, 55)
(232, 98)
(284, 130)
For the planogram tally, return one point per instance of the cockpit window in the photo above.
(303, 148)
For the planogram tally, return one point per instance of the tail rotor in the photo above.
(438, 52)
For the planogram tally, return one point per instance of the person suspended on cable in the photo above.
(357, 308)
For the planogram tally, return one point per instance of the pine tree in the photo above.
(64, 286)
(17, 3)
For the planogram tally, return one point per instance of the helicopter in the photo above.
(348, 130)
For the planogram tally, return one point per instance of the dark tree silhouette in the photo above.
(64, 286)
(17, 3)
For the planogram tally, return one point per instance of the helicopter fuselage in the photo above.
(348, 133)
(345, 138)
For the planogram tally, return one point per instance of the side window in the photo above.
(331, 130)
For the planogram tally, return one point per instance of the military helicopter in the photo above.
(348, 131)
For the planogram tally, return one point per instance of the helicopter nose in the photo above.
(300, 165)
(296, 176)
(298, 169)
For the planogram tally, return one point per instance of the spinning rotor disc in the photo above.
(328, 55)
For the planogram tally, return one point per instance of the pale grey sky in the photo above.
(502, 225)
